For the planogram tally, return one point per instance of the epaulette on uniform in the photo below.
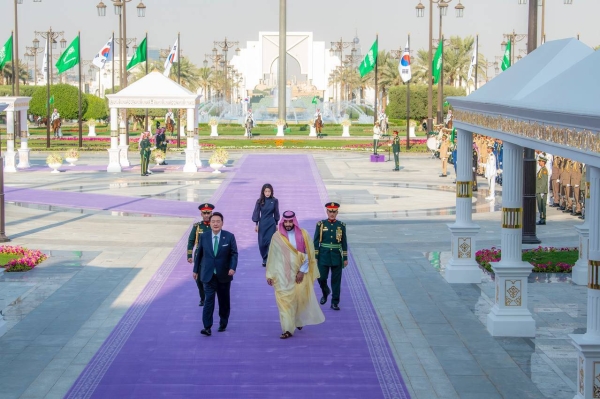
(319, 222)
(343, 224)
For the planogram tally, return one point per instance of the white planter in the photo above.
(313, 131)
(213, 131)
(54, 167)
(158, 161)
(216, 167)
(92, 131)
(280, 131)
(71, 161)
(346, 131)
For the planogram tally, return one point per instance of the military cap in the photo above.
(332, 205)
(543, 159)
(206, 207)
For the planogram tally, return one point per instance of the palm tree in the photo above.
(457, 60)
(204, 80)
(420, 68)
(190, 78)
(7, 72)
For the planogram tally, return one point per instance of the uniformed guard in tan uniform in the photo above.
(555, 181)
(576, 183)
(541, 189)
(444, 146)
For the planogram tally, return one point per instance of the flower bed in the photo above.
(542, 259)
(28, 259)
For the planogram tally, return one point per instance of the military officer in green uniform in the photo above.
(331, 251)
(396, 150)
(145, 152)
(197, 229)
(541, 189)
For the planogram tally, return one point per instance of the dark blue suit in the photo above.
(214, 273)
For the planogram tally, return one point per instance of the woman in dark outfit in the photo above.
(266, 217)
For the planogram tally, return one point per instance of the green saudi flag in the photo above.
(506, 60)
(139, 56)
(6, 52)
(437, 62)
(70, 57)
(368, 63)
(315, 100)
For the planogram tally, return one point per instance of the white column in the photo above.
(588, 344)
(579, 274)
(280, 131)
(24, 150)
(113, 152)
(192, 140)
(510, 317)
(123, 147)
(463, 267)
(9, 155)
(194, 132)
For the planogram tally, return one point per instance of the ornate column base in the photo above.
(313, 132)
(9, 161)
(579, 275)
(463, 267)
(509, 317)
(588, 365)
(197, 159)
(280, 131)
(123, 155)
(113, 161)
(190, 160)
(24, 158)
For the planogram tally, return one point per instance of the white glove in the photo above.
(473, 168)
(542, 195)
(577, 185)
(558, 181)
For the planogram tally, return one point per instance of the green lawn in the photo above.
(5, 258)
(569, 257)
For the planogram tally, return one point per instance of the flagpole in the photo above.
(375, 113)
(146, 118)
(113, 62)
(476, 58)
(79, 68)
(179, 82)
(408, 104)
(13, 61)
(48, 66)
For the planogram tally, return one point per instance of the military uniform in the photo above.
(555, 182)
(161, 143)
(541, 190)
(331, 251)
(576, 183)
(565, 182)
(396, 151)
(193, 239)
(583, 186)
(145, 154)
(444, 147)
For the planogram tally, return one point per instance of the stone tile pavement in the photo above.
(398, 235)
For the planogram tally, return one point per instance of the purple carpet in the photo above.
(156, 350)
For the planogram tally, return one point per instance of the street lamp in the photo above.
(337, 48)
(542, 3)
(33, 52)
(225, 46)
(443, 7)
(513, 38)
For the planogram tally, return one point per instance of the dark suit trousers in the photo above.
(199, 282)
(222, 291)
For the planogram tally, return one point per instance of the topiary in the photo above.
(66, 99)
(96, 108)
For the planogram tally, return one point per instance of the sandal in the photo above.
(286, 335)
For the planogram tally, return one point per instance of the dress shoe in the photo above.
(443, 175)
(206, 331)
(561, 208)
(581, 217)
(541, 223)
(335, 306)
(323, 300)
(576, 213)
(201, 303)
(222, 328)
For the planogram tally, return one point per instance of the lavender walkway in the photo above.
(157, 351)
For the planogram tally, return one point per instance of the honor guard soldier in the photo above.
(197, 229)
(541, 189)
(331, 251)
(396, 151)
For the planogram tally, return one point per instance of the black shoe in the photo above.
(201, 302)
(264, 265)
(576, 213)
(323, 300)
(541, 223)
(206, 331)
(561, 208)
(554, 206)
(567, 211)
(443, 175)
(222, 328)
(581, 217)
(335, 306)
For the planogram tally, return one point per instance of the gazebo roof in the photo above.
(547, 101)
(154, 91)
(15, 103)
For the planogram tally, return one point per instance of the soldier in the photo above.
(541, 189)
(145, 152)
(197, 229)
(331, 251)
(161, 143)
(583, 186)
(565, 179)
(475, 161)
(555, 181)
(444, 146)
(576, 183)
(396, 150)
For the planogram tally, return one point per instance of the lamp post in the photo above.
(443, 6)
(120, 8)
(337, 48)
(513, 38)
(542, 4)
(34, 51)
(225, 46)
(51, 43)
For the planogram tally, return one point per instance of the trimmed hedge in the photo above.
(66, 101)
(396, 108)
(96, 109)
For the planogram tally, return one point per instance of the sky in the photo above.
(201, 22)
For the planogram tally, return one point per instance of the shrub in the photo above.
(219, 156)
(66, 101)
(72, 153)
(54, 158)
(157, 154)
(418, 100)
(96, 108)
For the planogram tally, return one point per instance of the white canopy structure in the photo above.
(12, 105)
(547, 101)
(153, 91)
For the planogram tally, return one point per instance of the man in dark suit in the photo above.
(216, 260)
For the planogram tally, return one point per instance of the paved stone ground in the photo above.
(101, 260)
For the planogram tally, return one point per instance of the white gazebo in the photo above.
(14, 105)
(153, 91)
(547, 101)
